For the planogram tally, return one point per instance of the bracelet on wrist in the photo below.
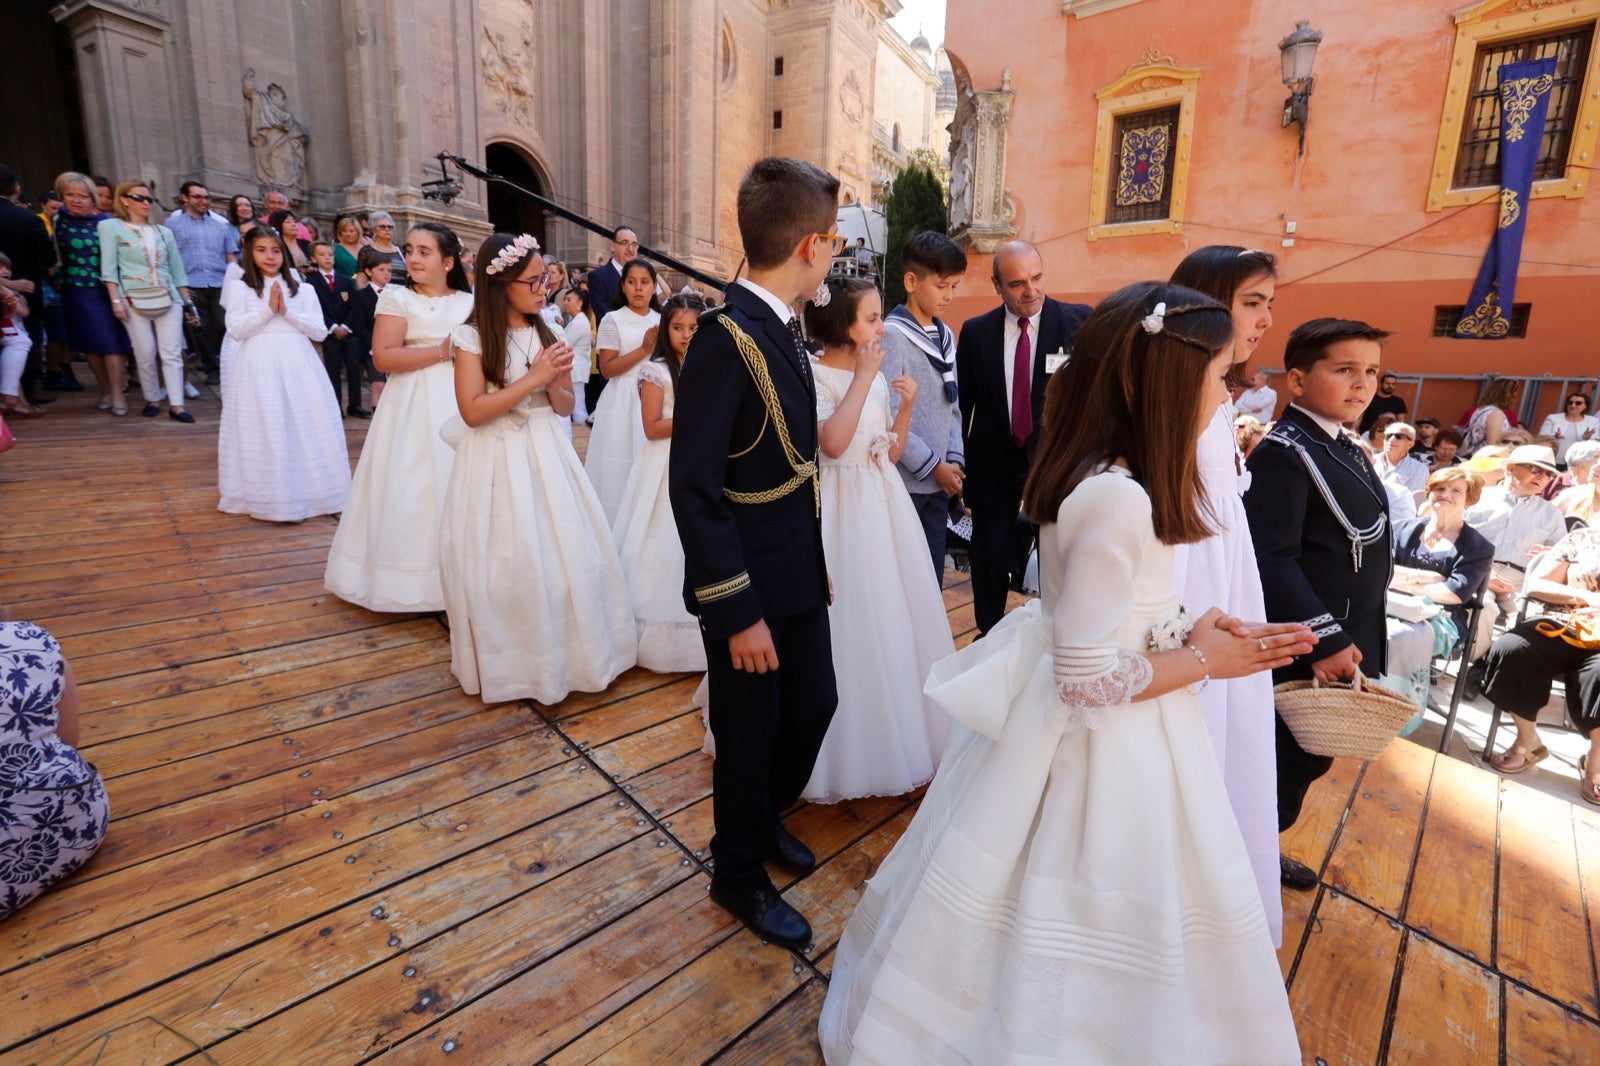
(1205, 671)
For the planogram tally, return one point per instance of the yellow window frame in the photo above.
(1152, 83)
(1489, 23)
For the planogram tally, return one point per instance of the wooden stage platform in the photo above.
(323, 852)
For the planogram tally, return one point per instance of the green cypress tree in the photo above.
(916, 203)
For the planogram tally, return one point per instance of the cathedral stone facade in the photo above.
(639, 111)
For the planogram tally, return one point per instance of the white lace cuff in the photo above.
(1084, 697)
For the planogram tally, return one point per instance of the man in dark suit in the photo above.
(1319, 517)
(605, 296)
(745, 496)
(335, 293)
(26, 242)
(1003, 360)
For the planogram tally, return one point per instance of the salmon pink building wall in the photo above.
(1365, 245)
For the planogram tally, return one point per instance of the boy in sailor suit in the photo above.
(1319, 517)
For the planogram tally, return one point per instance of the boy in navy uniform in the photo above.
(1319, 517)
(743, 483)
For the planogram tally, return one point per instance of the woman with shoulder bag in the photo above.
(143, 273)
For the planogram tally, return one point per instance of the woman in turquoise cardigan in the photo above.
(143, 272)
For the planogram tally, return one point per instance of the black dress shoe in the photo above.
(359, 412)
(1296, 875)
(213, 378)
(764, 913)
(788, 852)
(150, 410)
(1472, 687)
(181, 416)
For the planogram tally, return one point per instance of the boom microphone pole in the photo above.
(489, 176)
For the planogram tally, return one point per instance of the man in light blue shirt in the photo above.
(207, 245)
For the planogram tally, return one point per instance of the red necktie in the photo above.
(1022, 387)
(329, 279)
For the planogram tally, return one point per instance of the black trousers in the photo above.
(1297, 770)
(1001, 543)
(346, 355)
(1523, 663)
(768, 729)
(591, 392)
(205, 340)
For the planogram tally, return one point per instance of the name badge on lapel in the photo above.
(1055, 361)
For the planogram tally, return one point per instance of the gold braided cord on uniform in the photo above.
(804, 469)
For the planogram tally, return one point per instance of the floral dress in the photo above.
(53, 805)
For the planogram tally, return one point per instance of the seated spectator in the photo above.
(1522, 664)
(1570, 425)
(1372, 438)
(1580, 458)
(1489, 464)
(1259, 401)
(1446, 448)
(1487, 422)
(1517, 520)
(1581, 499)
(1427, 437)
(1394, 463)
(1516, 437)
(1446, 560)
(1247, 433)
(53, 804)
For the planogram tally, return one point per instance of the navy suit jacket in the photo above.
(996, 466)
(336, 302)
(1308, 570)
(744, 562)
(605, 289)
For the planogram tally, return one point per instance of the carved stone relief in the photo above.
(507, 71)
(981, 209)
(277, 140)
(851, 102)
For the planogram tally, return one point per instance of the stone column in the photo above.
(981, 211)
(126, 81)
(682, 142)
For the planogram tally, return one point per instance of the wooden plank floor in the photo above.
(322, 851)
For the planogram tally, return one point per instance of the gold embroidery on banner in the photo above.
(804, 469)
(1147, 145)
(1517, 100)
(1487, 321)
(1510, 210)
(722, 590)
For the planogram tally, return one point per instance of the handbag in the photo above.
(151, 301)
(1581, 631)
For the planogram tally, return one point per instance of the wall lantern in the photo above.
(1299, 51)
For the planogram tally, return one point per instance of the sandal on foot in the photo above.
(1528, 759)
(1588, 784)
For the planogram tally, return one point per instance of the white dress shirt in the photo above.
(1009, 356)
(1258, 404)
(1514, 525)
(779, 308)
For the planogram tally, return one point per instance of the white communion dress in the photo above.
(532, 585)
(887, 620)
(281, 452)
(618, 435)
(1073, 888)
(385, 554)
(652, 555)
(1221, 571)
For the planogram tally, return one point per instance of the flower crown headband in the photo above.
(520, 247)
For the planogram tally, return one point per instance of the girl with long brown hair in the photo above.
(1073, 887)
(532, 585)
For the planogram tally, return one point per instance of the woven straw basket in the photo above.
(1354, 721)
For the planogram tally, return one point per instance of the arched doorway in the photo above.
(509, 210)
(39, 81)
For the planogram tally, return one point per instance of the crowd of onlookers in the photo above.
(1490, 515)
(91, 272)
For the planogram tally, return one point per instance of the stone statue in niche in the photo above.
(961, 181)
(982, 213)
(277, 139)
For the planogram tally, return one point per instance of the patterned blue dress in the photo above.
(92, 328)
(53, 804)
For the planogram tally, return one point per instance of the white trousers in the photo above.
(163, 336)
(15, 344)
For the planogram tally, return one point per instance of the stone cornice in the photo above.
(1084, 8)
